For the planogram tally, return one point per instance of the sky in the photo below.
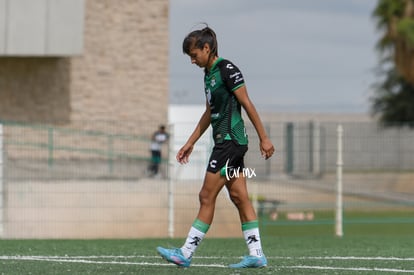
(295, 55)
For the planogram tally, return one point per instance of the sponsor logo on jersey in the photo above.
(237, 80)
(236, 74)
(215, 115)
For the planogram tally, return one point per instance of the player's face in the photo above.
(200, 57)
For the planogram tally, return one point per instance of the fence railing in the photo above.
(47, 148)
(59, 182)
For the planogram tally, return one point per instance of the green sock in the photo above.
(201, 226)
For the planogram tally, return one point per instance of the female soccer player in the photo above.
(226, 93)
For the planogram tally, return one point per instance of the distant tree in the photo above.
(394, 97)
(394, 101)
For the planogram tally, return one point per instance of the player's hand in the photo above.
(266, 148)
(184, 153)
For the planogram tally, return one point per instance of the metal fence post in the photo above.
(289, 148)
(339, 205)
(110, 154)
(1, 183)
(50, 145)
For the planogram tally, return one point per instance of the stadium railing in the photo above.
(91, 181)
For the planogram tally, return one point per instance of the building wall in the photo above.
(122, 74)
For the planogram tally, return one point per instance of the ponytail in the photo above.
(198, 38)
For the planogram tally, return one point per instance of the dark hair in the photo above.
(198, 38)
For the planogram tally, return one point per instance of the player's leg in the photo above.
(151, 166)
(157, 161)
(239, 195)
(212, 185)
(250, 226)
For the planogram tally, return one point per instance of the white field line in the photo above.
(348, 268)
(78, 259)
(344, 258)
(16, 257)
(84, 259)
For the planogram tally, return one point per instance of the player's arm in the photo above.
(266, 146)
(204, 122)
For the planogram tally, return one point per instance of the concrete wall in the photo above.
(122, 74)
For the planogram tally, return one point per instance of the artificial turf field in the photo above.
(371, 252)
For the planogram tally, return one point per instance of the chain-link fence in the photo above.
(92, 181)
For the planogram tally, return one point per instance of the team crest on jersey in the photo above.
(213, 82)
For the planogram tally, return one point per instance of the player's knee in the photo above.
(238, 198)
(235, 198)
(204, 197)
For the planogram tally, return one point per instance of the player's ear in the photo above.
(206, 48)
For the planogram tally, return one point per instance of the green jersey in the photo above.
(219, 83)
